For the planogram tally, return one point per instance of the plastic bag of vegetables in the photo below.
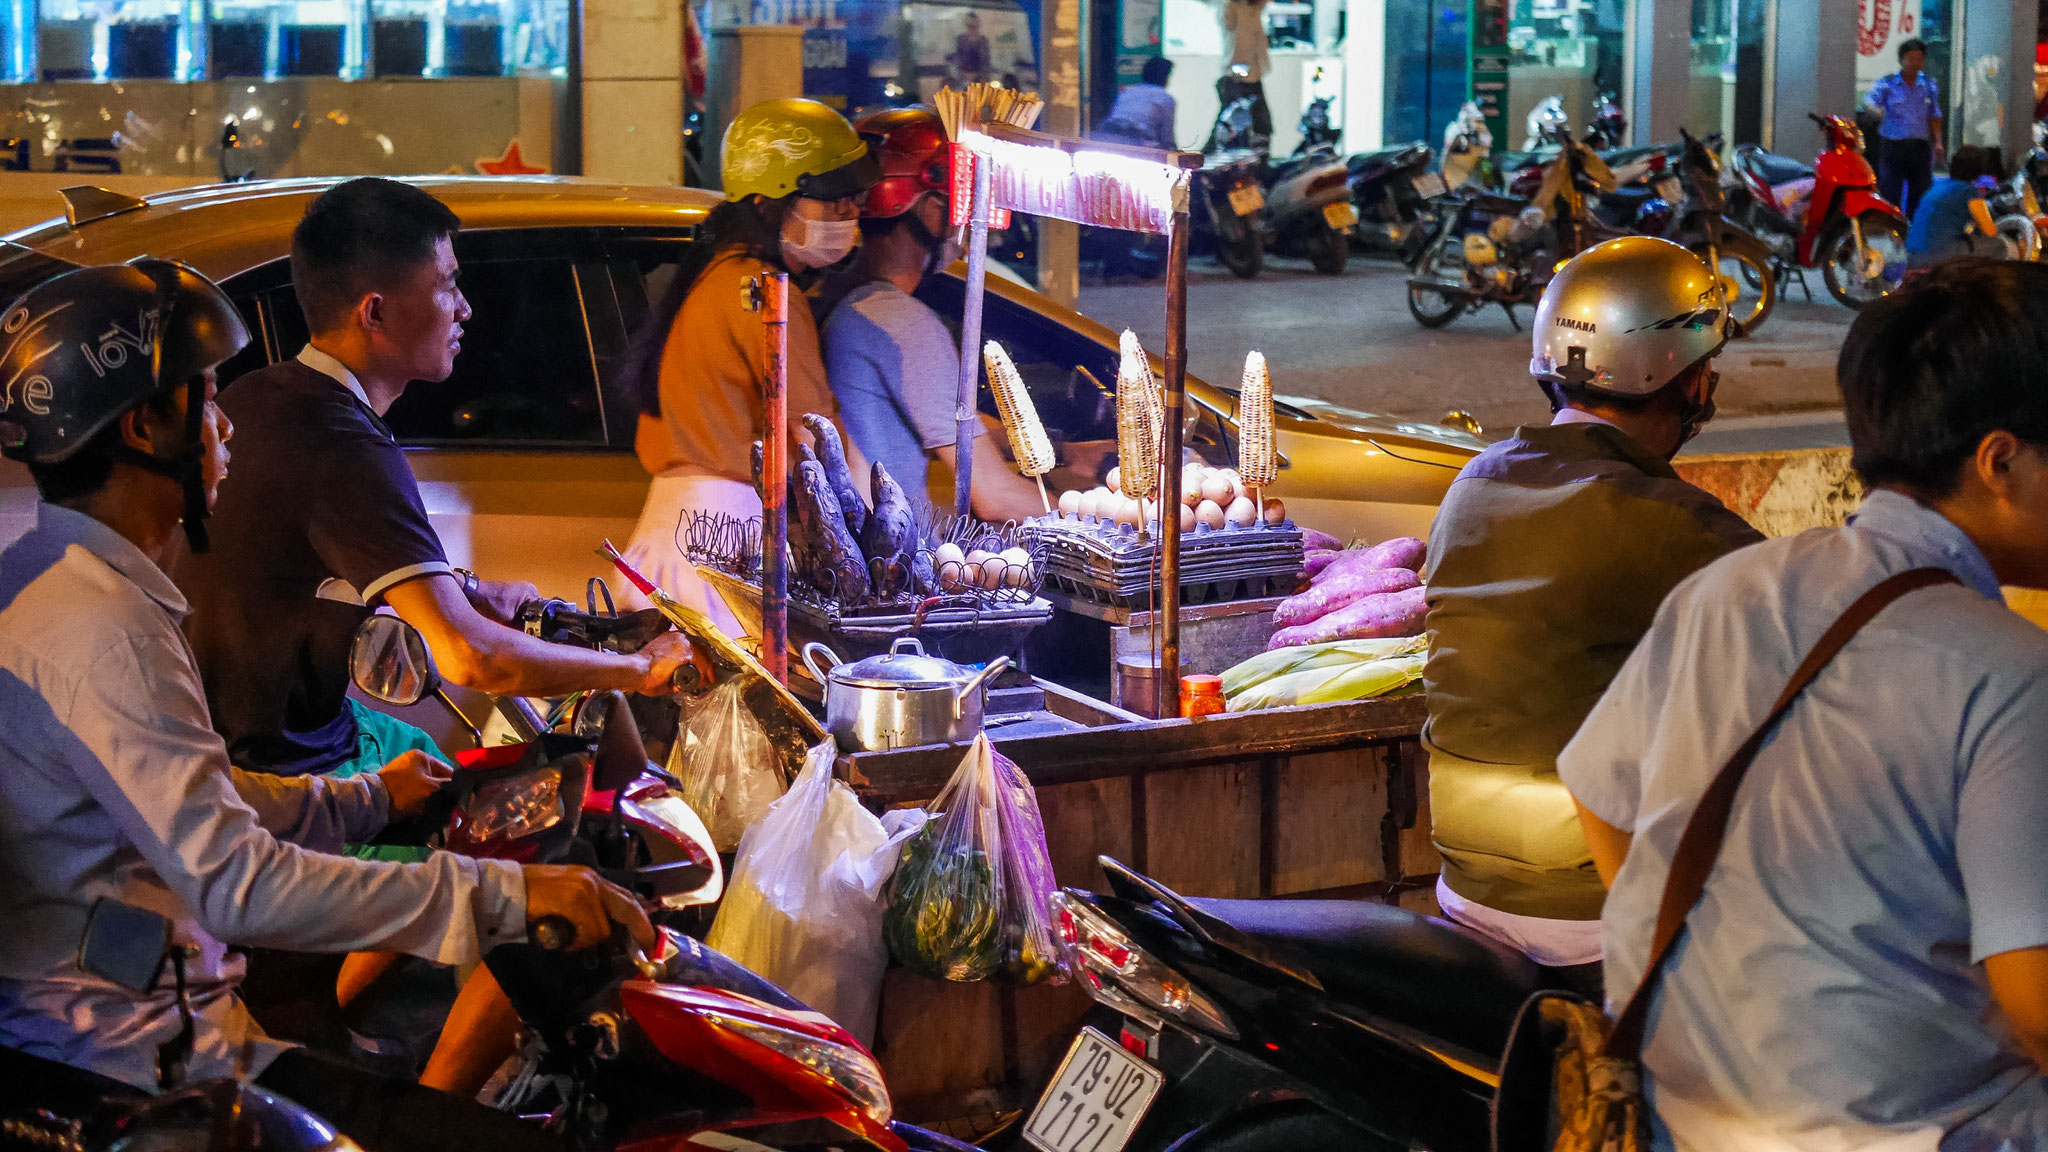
(971, 897)
(805, 905)
(1030, 953)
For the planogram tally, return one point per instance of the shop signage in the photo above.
(1881, 26)
(1487, 73)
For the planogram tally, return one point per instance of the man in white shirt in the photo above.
(130, 849)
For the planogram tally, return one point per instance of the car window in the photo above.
(1072, 379)
(526, 374)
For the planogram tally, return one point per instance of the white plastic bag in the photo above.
(805, 905)
(730, 772)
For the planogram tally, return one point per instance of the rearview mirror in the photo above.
(389, 662)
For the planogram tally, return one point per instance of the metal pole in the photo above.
(774, 478)
(969, 397)
(1172, 398)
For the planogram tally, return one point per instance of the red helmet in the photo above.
(911, 145)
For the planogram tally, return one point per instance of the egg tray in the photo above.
(1109, 563)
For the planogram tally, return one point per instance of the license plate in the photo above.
(1670, 190)
(1246, 199)
(1096, 1099)
(1341, 214)
(1430, 185)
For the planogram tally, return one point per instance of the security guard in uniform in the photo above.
(1547, 561)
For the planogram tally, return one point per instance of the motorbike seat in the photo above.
(1494, 204)
(1415, 970)
(1361, 162)
(1773, 168)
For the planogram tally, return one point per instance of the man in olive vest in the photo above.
(1547, 562)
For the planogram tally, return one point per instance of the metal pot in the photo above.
(901, 699)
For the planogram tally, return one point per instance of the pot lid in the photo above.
(904, 666)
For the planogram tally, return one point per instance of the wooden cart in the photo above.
(1327, 800)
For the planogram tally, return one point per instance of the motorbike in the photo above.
(1271, 1025)
(1228, 194)
(1468, 150)
(1391, 190)
(1741, 259)
(1828, 217)
(1493, 249)
(2017, 211)
(678, 1049)
(1308, 208)
(1609, 126)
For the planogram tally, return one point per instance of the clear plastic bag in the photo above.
(1030, 951)
(804, 908)
(729, 770)
(971, 897)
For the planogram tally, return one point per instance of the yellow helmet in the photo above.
(779, 147)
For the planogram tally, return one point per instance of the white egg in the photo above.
(1191, 478)
(1209, 513)
(1276, 512)
(1236, 482)
(948, 553)
(1116, 480)
(1187, 518)
(1070, 502)
(1016, 567)
(1241, 513)
(1127, 511)
(1216, 488)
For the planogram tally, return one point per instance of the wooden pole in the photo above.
(967, 401)
(774, 289)
(1173, 392)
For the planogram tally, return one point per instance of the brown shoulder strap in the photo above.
(1701, 842)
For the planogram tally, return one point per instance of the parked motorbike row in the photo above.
(1507, 222)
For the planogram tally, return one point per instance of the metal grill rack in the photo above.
(972, 615)
(1104, 562)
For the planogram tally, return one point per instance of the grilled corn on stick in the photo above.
(1028, 441)
(1137, 422)
(1255, 461)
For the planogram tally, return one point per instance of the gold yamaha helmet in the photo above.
(794, 145)
(1627, 317)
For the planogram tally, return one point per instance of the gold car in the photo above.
(524, 455)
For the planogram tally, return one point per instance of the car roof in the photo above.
(226, 229)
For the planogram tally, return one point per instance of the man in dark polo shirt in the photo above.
(325, 522)
(1547, 562)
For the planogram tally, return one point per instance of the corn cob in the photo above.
(1255, 460)
(1137, 420)
(1028, 441)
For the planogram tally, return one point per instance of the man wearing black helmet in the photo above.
(126, 838)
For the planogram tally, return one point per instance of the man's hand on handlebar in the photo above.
(411, 780)
(668, 654)
(500, 603)
(576, 895)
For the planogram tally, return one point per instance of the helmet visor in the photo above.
(845, 182)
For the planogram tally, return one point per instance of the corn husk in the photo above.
(1332, 653)
(1255, 460)
(1327, 684)
(1138, 420)
(1028, 441)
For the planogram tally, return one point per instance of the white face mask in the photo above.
(808, 243)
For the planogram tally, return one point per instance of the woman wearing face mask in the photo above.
(794, 172)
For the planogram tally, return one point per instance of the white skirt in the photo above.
(656, 550)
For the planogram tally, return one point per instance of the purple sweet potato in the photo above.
(1388, 614)
(1310, 538)
(1399, 552)
(1340, 591)
(1317, 559)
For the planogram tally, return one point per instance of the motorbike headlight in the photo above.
(1111, 965)
(514, 808)
(851, 1070)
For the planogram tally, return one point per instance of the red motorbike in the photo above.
(680, 1050)
(1829, 216)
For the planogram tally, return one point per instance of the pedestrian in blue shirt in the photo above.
(1909, 139)
(1954, 219)
(1143, 112)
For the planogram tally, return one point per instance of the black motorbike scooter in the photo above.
(1277, 1025)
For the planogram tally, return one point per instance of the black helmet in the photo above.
(83, 348)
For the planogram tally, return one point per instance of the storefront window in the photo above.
(1427, 46)
(1571, 49)
(115, 40)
